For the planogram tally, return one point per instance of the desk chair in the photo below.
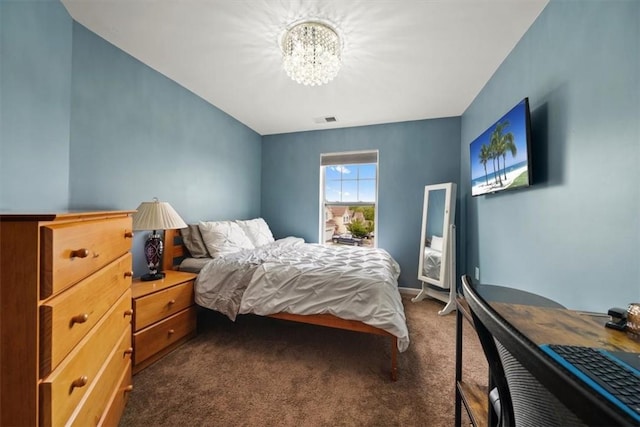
(534, 390)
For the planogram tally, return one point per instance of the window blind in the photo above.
(349, 158)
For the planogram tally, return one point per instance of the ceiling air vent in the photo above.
(328, 119)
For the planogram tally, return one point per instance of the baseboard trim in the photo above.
(408, 291)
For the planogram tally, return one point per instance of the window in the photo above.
(348, 198)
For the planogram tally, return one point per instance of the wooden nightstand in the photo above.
(164, 316)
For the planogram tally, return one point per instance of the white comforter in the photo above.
(295, 277)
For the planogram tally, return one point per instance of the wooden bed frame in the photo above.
(175, 250)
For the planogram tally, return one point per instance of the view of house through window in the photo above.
(348, 198)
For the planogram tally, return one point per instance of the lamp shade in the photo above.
(156, 215)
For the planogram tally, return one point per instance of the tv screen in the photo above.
(500, 157)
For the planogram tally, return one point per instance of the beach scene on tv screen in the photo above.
(499, 159)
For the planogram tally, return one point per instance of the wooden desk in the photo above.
(545, 323)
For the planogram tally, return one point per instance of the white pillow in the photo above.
(257, 231)
(223, 237)
(436, 243)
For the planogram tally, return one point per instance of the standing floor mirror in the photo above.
(437, 265)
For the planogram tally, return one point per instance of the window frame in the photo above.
(347, 158)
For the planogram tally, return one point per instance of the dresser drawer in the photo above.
(100, 396)
(72, 251)
(118, 400)
(65, 387)
(156, 306)
(69, 316)
(151, 340)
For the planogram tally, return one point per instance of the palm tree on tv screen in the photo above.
(503, 143)
(484, 157)
(493, 153)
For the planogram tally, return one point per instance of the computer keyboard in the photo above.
(604, 372)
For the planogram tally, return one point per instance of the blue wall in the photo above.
(136, 135)
(574, 236)
(411, 155)
(35, 78)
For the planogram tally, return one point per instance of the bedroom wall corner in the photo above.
(135, 135)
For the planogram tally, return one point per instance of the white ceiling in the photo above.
(402, 59)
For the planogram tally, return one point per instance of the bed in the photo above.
(293, 280)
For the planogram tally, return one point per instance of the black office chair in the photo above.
(534, 390)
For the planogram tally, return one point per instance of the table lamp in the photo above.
(155, 216)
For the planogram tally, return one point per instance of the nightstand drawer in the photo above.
(156, 306)
(151, 340)
(73, 251)
(68, 317)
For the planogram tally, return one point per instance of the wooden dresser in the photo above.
(165, 316)
(65, 318)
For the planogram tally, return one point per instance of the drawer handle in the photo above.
(128, 234)
(129, 350)
(172, 302)
(80, 253)
(128, 312)
(80, 318)
(80, 382)
(128, 388)
(128, 274)
(172, 331)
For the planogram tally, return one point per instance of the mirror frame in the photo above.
(446, 273)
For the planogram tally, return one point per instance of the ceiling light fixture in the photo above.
(311, 53)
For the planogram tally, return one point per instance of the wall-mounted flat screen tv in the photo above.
(501, 156)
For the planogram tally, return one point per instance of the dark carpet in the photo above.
(265, 372)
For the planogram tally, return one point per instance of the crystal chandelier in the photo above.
(311, 53)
